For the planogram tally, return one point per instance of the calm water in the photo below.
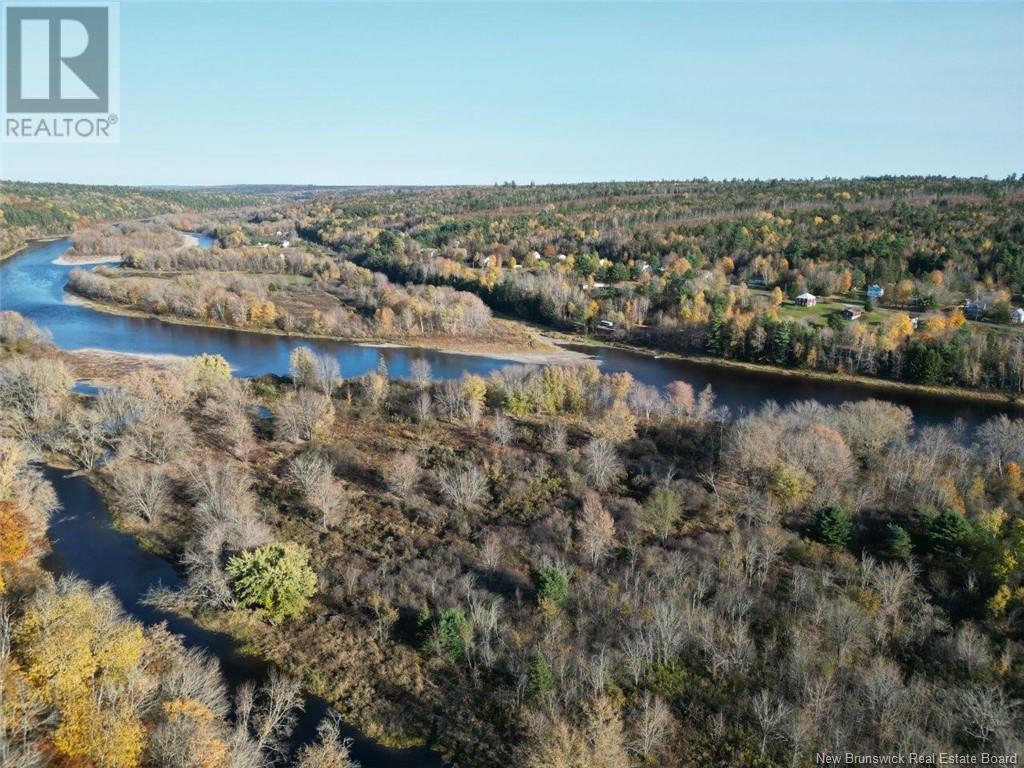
(85, 543)
(32, 285)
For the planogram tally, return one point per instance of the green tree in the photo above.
(453, 632)
(896, 542)
(834, 527)
(662, 511)
(275, 580)
(541, 683)
(552, 584)
(949, 534)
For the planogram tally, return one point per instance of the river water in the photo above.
(32, 285)
(85, 543)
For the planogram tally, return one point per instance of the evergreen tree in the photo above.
(896, 542)
(834, 527)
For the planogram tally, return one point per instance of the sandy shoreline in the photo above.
(556, 356)
(64, 261)
(99, 366)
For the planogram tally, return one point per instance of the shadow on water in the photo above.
(85, 543)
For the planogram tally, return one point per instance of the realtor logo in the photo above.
(60, 77)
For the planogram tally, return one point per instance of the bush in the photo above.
(275, 580)
(834, 527)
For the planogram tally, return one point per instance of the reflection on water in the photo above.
(32, 285)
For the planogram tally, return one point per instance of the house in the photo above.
(561, 257)
(1017, 316)
(875, 292)
(285, 244)
(853, 313)
(806, 300)
(607, 325)
(915, 322)
(975, 308)
(756, 281)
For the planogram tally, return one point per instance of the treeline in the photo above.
(30, 210)
(656, 278)
(336, 299)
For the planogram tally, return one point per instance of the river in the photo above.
(32, 285)
(85, 542)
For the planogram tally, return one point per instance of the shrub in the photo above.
(275, 580)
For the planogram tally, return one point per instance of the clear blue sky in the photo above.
(352, 93)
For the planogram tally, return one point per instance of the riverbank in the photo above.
(102, 365)
(538, 349)
(953, 393)
(26, 244)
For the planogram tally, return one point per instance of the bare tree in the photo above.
(142, 491)
(601, 463)
(770, 712)
(464, 487)
(652, 725)
(502, 429)
(421, 373)
(556, 438)
(403, 473)
(596, 528)
(331, 749)
(423, 406)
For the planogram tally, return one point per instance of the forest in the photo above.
(713, 268)
(545, 567)
(31, 210)
(548, 566)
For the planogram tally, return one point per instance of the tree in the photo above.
(949, 534)
(663, 510)
(453, 631)
(896, 542)
(834, 526)
(302, 365)
(275, 580)
(540, 685)
(596, 528)
(601, 463)
(206, 373)
(403, 473)
(552, 585)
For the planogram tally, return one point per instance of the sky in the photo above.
(485, 92)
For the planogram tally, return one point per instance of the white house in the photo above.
(285, 244)
(806, 300)
(1017, 316)
(561, 257)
